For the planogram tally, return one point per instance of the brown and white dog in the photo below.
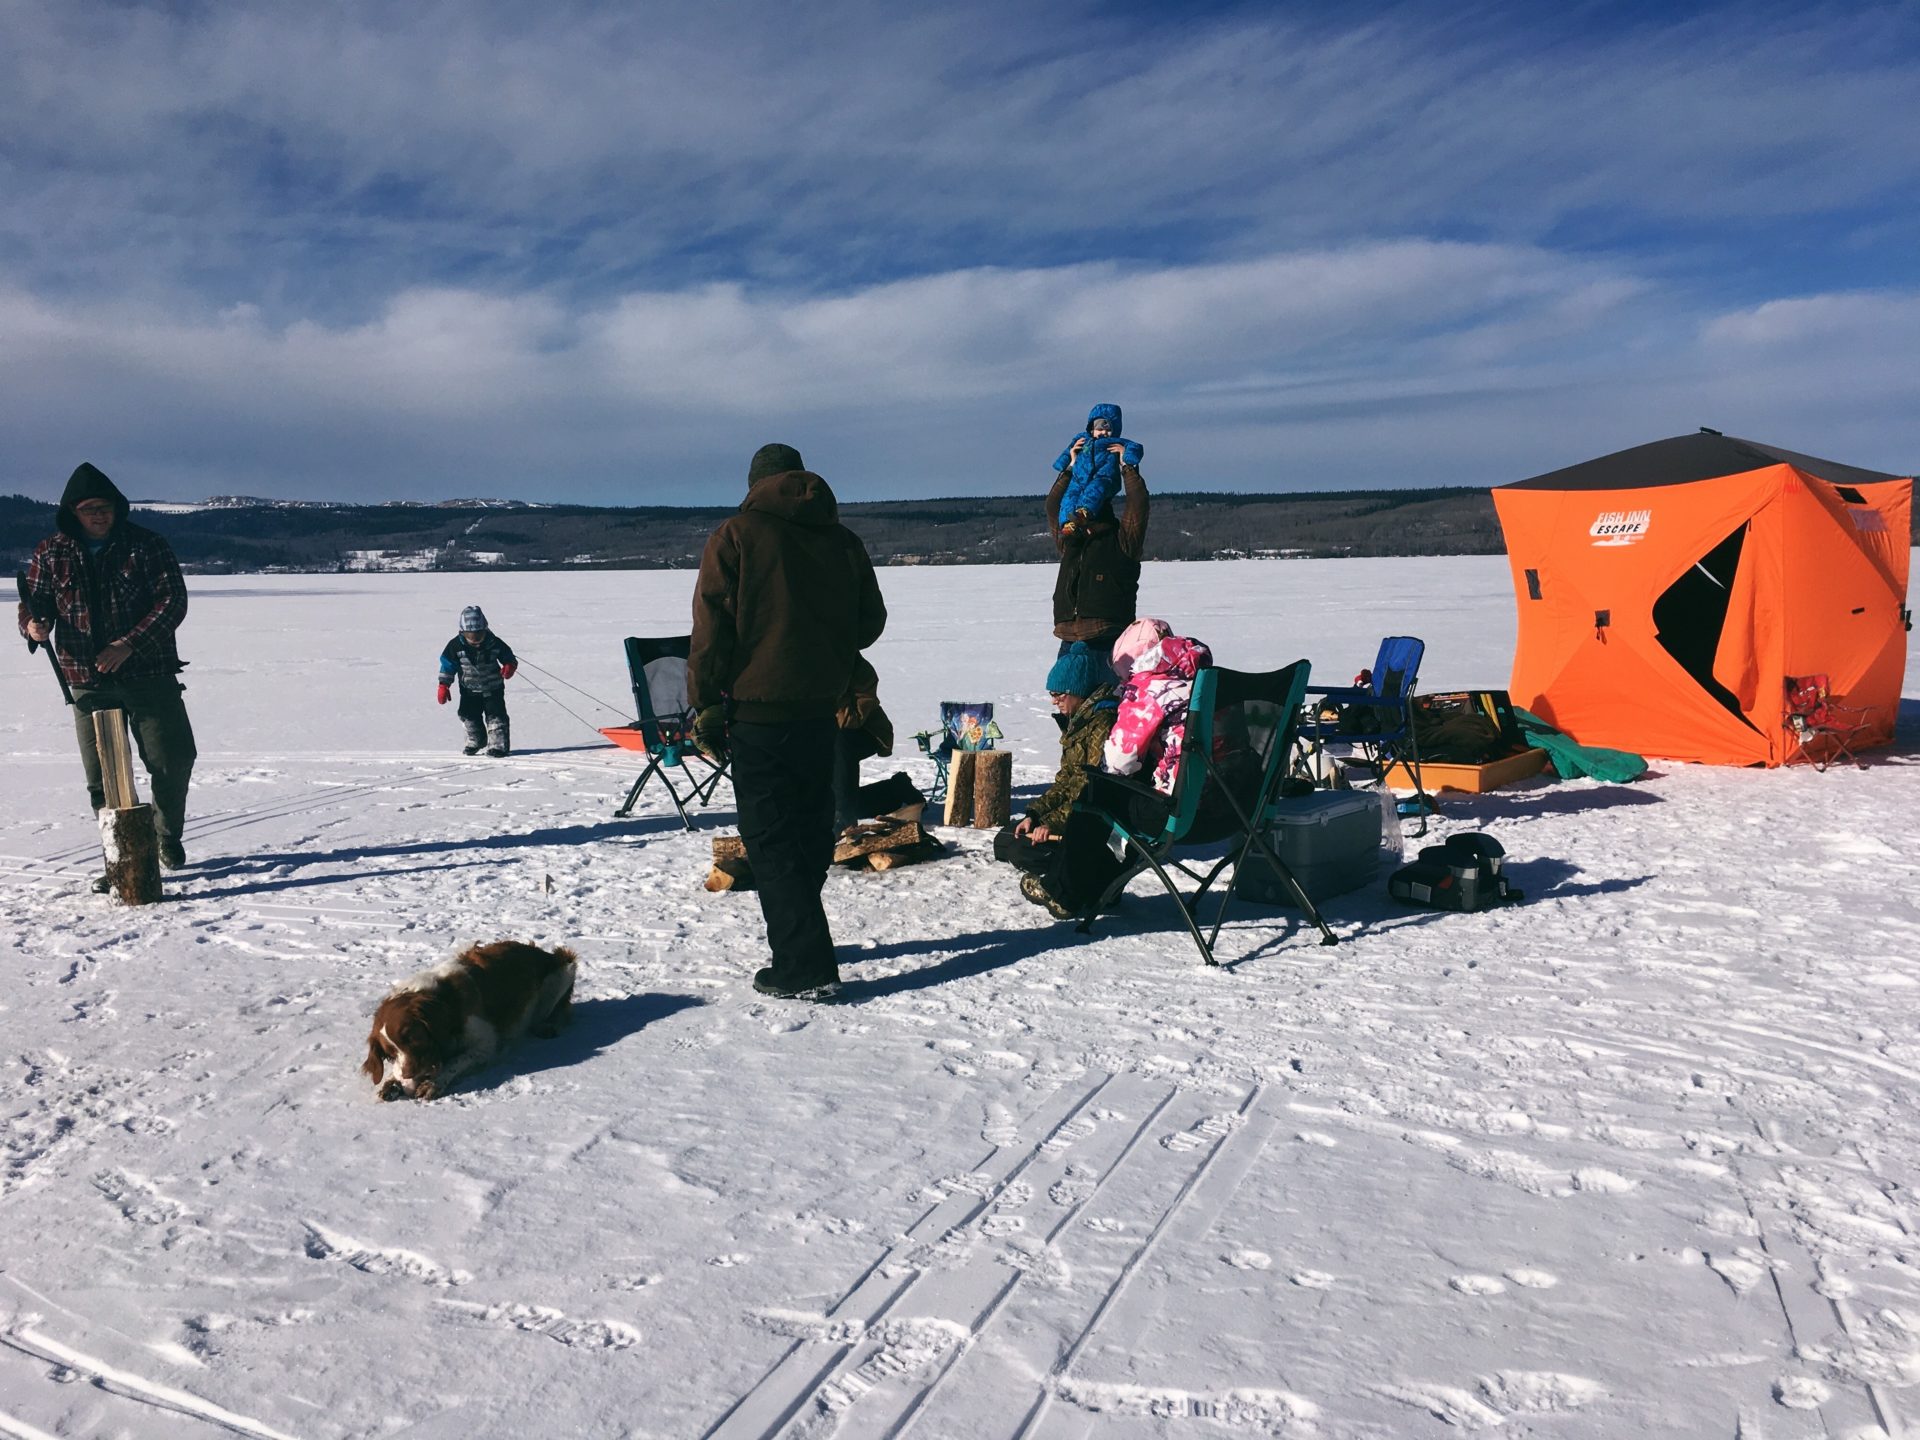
(435, 1026)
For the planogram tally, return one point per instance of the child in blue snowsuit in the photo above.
(483, 663)
(1095, 457)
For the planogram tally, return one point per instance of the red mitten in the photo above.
(443, 695)
(506, 670)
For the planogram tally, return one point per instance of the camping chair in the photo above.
(663, 728)
(964, 725)
(1240, 732)
(1821, 731)
(1376, 719)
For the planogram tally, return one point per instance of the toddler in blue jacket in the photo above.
(1095, 458)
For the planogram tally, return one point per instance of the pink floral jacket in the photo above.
(1151, 726)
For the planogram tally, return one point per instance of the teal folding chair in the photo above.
(1241, 726)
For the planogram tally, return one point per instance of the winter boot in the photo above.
(173, 855)
(499, 736)
(476, 735)
(768, 983)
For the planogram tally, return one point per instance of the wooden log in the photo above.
(132, 850)
(116, 760)
(729, 847)
(731, 874)
(870, 836)
(992, 789)
(959, 809)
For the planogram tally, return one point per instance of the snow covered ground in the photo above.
(1632, 1159)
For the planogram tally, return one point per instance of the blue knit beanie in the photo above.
(1074, 673)
(473, 618)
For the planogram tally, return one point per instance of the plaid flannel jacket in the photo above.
(132, 590)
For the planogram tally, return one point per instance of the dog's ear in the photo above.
(376, 1065)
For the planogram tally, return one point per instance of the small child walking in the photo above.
(483, 663)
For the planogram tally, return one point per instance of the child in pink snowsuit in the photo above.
(1156, 670)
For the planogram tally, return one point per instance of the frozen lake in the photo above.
(1634, 1158)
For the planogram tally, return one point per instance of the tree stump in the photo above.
(128, 839)
(132, 851)
(979, 788)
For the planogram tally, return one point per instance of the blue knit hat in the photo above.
(473, 618)
(1075, 673)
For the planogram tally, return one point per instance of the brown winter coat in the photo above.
(1096, 591)
(785, 603)
(860, 707)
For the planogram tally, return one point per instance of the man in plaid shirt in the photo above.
(107, 595)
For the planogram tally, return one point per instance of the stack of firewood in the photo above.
(891, 840)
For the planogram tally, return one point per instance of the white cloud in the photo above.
(1376, 364)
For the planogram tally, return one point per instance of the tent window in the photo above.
(1690, 614)
(1533, 584)
(1850, 495)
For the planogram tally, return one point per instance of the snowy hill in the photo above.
(1634, 1158)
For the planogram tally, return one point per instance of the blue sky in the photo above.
(601, 252)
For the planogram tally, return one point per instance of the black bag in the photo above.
(1463, 874)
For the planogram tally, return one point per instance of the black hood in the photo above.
(88, 483)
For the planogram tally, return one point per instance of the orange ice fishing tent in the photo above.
(1667, 592)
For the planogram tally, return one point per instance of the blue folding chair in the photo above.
(1376, 720)
(663, 727)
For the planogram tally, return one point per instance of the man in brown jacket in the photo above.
(785, 602)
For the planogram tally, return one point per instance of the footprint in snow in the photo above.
(727, 1262)
(1801, 1392)
(1312, 1279)
(1073, 1187)
(999, 1128)
(1533, 1279)
(1478, 1285)
(1248, 1259)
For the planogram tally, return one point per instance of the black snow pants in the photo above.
(485, 717)
(783, 787)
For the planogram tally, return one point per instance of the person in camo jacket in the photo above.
(483, 663)
(1083, 698)
(107, 595)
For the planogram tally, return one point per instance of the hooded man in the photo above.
(107, 595)
(785, 602)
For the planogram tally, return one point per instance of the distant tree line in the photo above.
(984, 530)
